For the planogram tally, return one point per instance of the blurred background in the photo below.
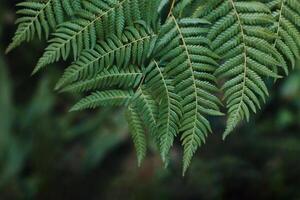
(47, 153)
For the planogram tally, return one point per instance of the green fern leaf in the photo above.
(131, 49)
(147, 109)
(104, 98)
(122, 78)
(137, 133)
(38, 18)
(190, 62)
(248, 57)
(286, 27)
(170, 111)
(97, 20)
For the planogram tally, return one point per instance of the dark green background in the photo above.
(47, 153)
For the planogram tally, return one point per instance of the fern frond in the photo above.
(36, 18)
(248, 54)
(170, 111)
(191, 63)
(41, 17)
(97, 20)
(104, 98)
(137, 133)
(287, 29)
(122, 78)
(147, 108)
(133, 47)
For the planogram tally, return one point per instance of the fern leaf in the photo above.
(98, 19)
(104, 98)
(248, 57)
(286, 27)
(170, 111)
(147, 109)
(137, 133)
(190, 62)
(36, 18)
(131, 49)
(122, 78)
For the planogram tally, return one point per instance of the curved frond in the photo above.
(137, 133)
(190, 62)
(241, 36)
(123, 78)
(287, 29)
(38, 18)
(147, 109)
(170, 111)
(104, 98)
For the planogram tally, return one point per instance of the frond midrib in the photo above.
(236, 113)
(167, 97)
(120, 47)
(37, 15)
(279, 21)
(191, 69)
(98, 78)
(149, 108)
(29, 25)
(91, 62)
(116, 97)
(89, 24)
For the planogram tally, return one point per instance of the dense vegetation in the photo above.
(173, 64)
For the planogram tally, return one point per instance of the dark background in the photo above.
(47, 153)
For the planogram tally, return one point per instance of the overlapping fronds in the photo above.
(147, 109)
(38, 18)
(164, 59)
(133, 47)
(287, 29)
(148, 10)
(96, 20)
(170, 111)
(241, 36)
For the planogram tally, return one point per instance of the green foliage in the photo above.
(124, 78)
(165, 60)
(190, 63)
(105, 98)
(246, 53)
(113, 51)
(169, 108)
(41, 17)
(137, 132)
(287, 14)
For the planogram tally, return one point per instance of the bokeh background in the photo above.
(47, 153)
